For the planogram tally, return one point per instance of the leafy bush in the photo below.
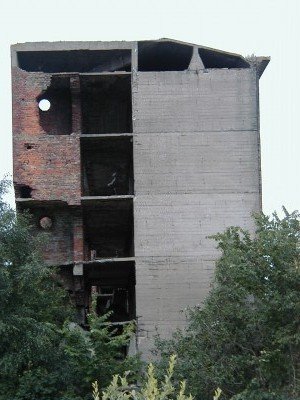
(246, 336)
(31, 310)
(151, 389)
(96, 354)
(43, 355)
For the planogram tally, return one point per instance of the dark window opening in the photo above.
(75, 61)
(108, 229)
(29, 146)
(107, 166)
(114, 286)
(23, 191)
(214, 59)
(106, 104)
(57, 120)
(163, 56)
(65, 277)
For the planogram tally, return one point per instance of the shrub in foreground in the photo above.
(245, 338)
(43, 355)
(151, 389)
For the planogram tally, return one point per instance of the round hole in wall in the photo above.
(44, 105)
(46, 223)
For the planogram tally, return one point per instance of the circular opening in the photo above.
(44, 105)
(46, 223)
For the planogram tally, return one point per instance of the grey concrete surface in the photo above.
(197, 171)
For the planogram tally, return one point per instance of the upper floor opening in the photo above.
(75, 61)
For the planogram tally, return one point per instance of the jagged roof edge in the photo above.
(260, 61)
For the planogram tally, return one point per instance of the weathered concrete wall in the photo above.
(210, 100)
(196, 162)
(196, 169)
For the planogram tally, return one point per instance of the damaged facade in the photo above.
(130, 154)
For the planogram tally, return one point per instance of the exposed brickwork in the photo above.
(42, 160)
(26, 88)
(46, 159)
(76, 103)
(50, 165)
(58, 247)
(78, 236)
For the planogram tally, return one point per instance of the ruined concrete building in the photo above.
(130, 154)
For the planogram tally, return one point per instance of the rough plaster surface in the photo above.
(196, 169)
(207, 100)
(196, 162)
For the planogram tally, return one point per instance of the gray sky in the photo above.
(260, 27)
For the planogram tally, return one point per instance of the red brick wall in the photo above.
(58, 245)
(51, 167)
(26, 87)
(49, 163)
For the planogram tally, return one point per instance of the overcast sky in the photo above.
(260, 27)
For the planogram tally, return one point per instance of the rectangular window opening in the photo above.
(107, 166)
(108, 229)
(106, 104)
(81, 61)
(23, 191)
(163, 56)
(114, 286)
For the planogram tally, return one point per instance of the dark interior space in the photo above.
(163, 56)
(114, 285)
(75, 61)
(214, 59)
(22, 191)
(106, 166)
(108, 229)
(106, 104)
(66, 278)
(58, 119)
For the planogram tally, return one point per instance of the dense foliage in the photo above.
(151, 388)
(245, 338)
(42, 354)
(97, 354)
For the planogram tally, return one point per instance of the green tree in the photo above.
(31, 309)
(43, 355)
(98, 354)
(245, 338)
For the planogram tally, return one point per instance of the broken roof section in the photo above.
(152, 55)
(169, 55)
